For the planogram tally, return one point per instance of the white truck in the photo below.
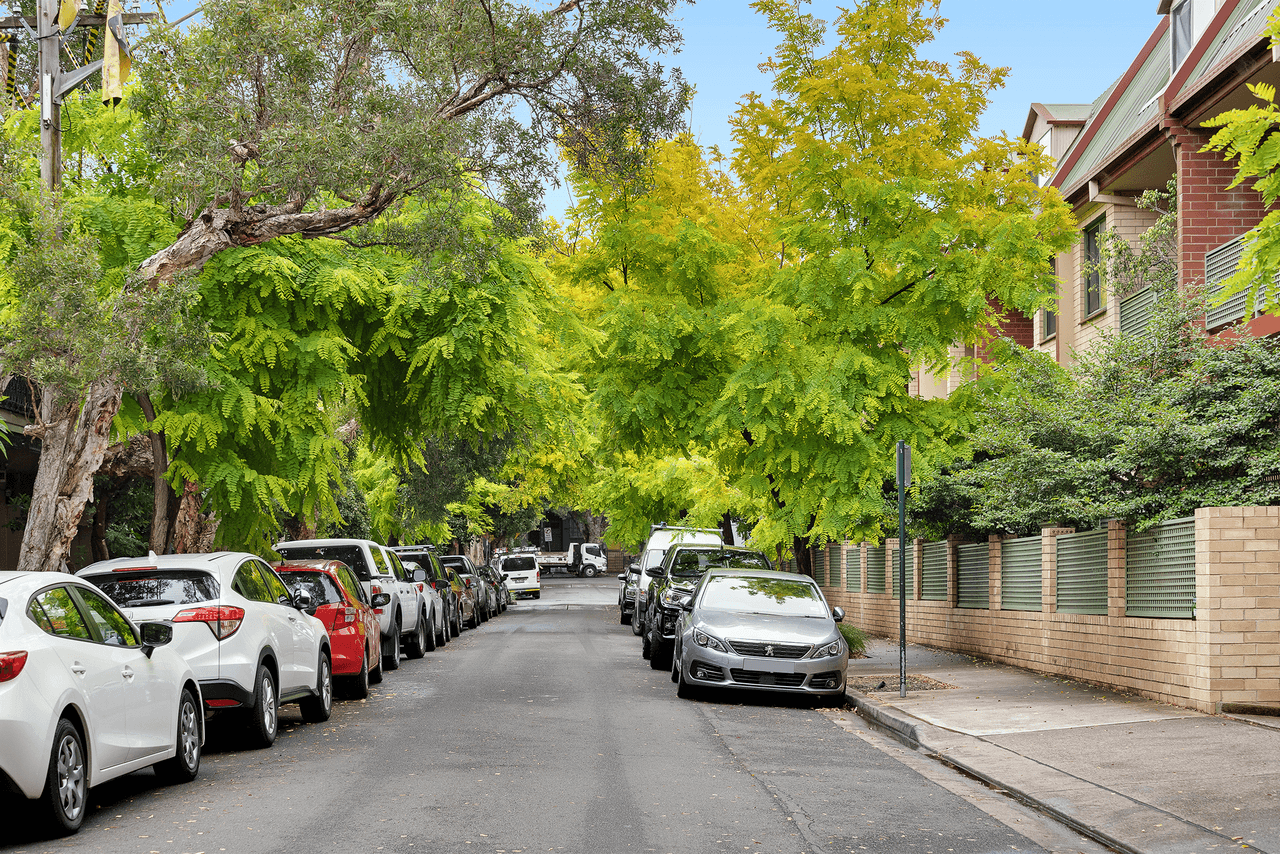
(585, 560)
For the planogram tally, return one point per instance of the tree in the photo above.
(772, 326)
(268, 119)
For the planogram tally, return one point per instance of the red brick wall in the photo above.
(1013, 324)
(1208, 214)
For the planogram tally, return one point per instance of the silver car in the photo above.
(761, 630)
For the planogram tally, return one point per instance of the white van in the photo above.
(662, 538)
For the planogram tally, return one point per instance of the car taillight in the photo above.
(344, 617)
(11, 664)
(537, 576)
(422, 588)
(222, 620)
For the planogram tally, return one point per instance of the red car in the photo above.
(339, 601)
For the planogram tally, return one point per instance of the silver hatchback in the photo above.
(760, 630)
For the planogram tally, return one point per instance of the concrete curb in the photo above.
(1102, 814)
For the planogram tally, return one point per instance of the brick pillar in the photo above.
(1049, 567)
(1116, 568)
(953, 565)
(1208, 214)
(994, 563)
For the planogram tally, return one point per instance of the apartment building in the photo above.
(1148, 128)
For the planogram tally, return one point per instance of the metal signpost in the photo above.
(904, 477)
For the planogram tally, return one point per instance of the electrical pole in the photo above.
(49, 47)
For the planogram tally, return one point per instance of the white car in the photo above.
(86, 695)
(426, 633)
(398, 619)
(521, 572)
(251, 644)
(662, 538)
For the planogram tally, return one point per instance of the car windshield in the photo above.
(524, 563)
(321, 587)
(352, 555)
(692, 563)
(157, 587)
(784, 597)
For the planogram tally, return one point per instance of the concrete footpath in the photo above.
(1130, 772)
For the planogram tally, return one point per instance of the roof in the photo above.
(1056, 114)
(1242, 27)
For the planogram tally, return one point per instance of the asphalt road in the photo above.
(544, 731)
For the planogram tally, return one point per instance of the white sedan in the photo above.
(86, 695)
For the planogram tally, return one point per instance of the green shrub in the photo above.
(854, 637)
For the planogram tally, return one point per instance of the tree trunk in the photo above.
(163, 492)
(804, 557)
(73, 439)
(187, 527)
(726, 529)
(98, 541)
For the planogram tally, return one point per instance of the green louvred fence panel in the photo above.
(1160, 571)
(820, 566)
(972, 576)
(1082, 573)
(1020, 574)
(875, 569)
(833, 565)
(893, 572)
(933, 571)
(853, 568)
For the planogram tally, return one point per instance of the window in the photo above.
(1182, 32)
(379, 561)
(249, 584)
(61, 617)
(351, 555)
(112, 626)
(1049, 316)
(279, 593)
(1093, 267)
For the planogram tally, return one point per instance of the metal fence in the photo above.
(875, 569)
(833, 565)
(1082, 572)
(893, 572)
(973, 580)
(852, 568)
(820, 565)
(1160, 571)
(1020, 575)
(933, 571)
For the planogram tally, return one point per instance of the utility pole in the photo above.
(44, 27)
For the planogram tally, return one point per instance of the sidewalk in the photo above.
(1133, 773)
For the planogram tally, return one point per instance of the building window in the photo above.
(1049, 316)
(1182, 32)
(1093, 267)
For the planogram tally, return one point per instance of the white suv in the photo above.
(402, 617)
(248, 641)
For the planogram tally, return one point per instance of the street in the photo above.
(544, 730)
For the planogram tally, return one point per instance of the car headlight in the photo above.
(673, 598)
(832, 648)
(701, 638)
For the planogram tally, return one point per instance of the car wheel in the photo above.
(264, 717)
(537, 594)
(316, 709)
(442, 629)
(646, 649)
(457, 620)
(675, 664)
(185, 764)
(66, 788)
(591, 572)
(684, 690)
(391, 648)
(417, 645)
(658, 654)
(428, 634)
(624, 617)
(474, 619)
(359, 686)
(637, 625)
(375, 675)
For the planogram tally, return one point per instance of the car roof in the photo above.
(756, 573)
(205, 560)
(327, 541)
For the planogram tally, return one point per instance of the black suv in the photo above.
(438, 577)
(675, 580)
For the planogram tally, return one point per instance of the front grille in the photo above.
(755, 677)
(763, 649)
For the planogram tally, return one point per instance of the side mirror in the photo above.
(687, 606)
(155, 634)
(419, 574)
(381, 600)
(837, 614)
(657, 572)
(505, 576)
(622, 576)
(302, 600)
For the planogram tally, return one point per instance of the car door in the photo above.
(150, 689)
(95, 669)
(304, 658)
(410, 613)
(266, 620)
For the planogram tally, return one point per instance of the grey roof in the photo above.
(1071, 112)
(1245, 26)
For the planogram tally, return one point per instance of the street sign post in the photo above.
(904, 477)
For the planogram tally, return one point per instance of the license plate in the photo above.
(768, 665)
(520, 580)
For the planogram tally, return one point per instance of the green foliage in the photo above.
(855, 638)
(1142, 429)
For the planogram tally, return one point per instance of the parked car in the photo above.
(425, 556)
(673, 584)
(486, 598)
(338, 601)
(424, 636)
(662, 538)
(501, 593)
(376, 574)
(520, 571)
(234, 621)
(760, 630)
(627, 582)
(438, 615)
(87, 695)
